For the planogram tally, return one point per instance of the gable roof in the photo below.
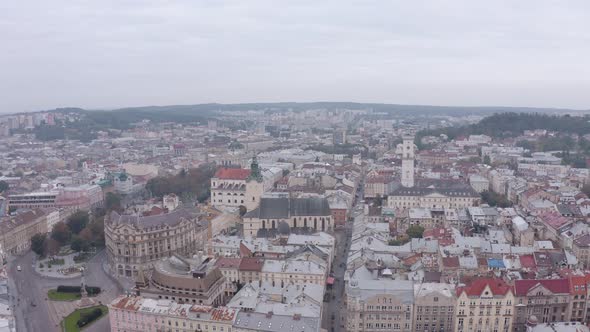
(476, 288)
(232, 174)
(556, 286)
(283, 207)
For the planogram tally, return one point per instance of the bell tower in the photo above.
(408, 161)
(254, 186)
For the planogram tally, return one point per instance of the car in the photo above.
(18, 268)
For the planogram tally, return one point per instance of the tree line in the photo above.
(193, 184)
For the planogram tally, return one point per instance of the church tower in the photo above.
(254, 186)
(408, 161)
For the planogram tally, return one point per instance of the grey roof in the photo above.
(445, 187)
(284, 207)
(167, 219)
(254, 321)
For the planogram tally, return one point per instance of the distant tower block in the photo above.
(408, 161)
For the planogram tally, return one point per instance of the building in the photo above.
(383, 304)
(84, 197)
(199, 279)
(134, 242)
(303, 300)
(235, 187)
(339, 137)
(33, 200)
(486, 304)
(228, 187)
(123, 183)
(434, 307)
(479, 183)
(408, 161)
(581, 248)
(281, 273)
(135, 313)
(548, 300)
(170, 202)
(434, 194)
(274, 322)
(553, 327)
(311, 214)
(16, 231)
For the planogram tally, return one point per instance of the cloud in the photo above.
(122, 53)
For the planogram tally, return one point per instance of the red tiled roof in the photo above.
(251, 264)
(579, 281)
(556, 286)
(528, 261)
(476, 288)
(232, 173)
(450, 262)
(228, 262)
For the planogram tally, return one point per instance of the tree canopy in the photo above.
(494, 199)
(196, 181)
(77, 221)
(38, 243)
(415, 231)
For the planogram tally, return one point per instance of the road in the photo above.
(28, 290)
(334, 316)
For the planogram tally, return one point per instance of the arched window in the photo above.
(264, 224)
(305, 222)
(315, 223)
(273, 224)
(323, 224)
(294, 222)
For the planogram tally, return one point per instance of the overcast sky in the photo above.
(114, 53)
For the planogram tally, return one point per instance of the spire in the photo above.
(255, 173)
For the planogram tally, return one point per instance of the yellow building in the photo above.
(486, 304)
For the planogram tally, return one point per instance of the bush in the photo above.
(91, 290)
(68, 289)
(89, 317)
(41, 265)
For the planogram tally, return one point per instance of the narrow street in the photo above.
(334, 316)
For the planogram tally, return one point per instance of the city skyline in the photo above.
(110, 55)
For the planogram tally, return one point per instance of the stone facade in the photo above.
(134, 243)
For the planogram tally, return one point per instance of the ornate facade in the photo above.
(134, 243)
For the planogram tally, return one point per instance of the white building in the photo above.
(479, 183)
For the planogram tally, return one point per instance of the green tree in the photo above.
(61, 233)
(79, 244)
(38, 243)
(243, 210)
(78, 221)
(494, 199)
(3, 186)
(487, 160)
(378, 200)
(415, 231)
(112, 201)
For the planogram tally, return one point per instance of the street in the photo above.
(28, 291)
(334, 316)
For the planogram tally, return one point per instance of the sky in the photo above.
(119, 53)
